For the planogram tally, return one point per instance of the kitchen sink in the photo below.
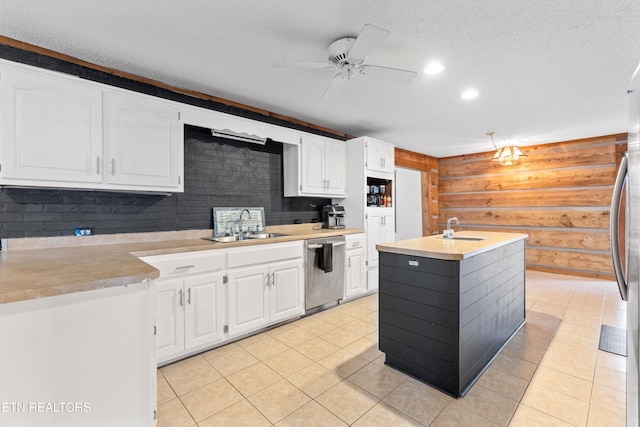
(468, 238)
(239, 237)
(265, 235)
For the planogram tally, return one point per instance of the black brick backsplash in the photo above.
(218, 172)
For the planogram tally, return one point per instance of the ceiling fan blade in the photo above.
(300, 64)
(368, 39)
(393, 74)
(335, 88)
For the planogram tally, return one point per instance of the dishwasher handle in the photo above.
(314, 246)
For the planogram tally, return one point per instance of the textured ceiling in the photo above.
(546, 71)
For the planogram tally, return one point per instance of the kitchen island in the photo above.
(448, 306)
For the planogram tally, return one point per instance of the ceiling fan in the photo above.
(348, 56)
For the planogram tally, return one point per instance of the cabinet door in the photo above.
(204, 310)
(388, 228)
(380, 156)
(312, 165)
(286, 297)
(144, 142)
(248, 301)
(169, 318)
(354, 273)
(374, 223)
(335, 156)
(51, 129)
(380, 228)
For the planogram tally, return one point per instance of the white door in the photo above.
(248, 299)
(355, 268)
(144, 142)
(336, 156)
(286, 293)
(204, 310)
(312, 165)
(51, 128)
(408, 204)
(169, 318)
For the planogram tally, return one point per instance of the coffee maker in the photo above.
(333, 216)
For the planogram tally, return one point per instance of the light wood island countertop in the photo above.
(56, 266)
(438, 247)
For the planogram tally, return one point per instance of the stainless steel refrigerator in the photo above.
(628, 281)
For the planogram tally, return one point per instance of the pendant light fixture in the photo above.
(507, 155)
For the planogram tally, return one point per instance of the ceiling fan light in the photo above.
(433, 68)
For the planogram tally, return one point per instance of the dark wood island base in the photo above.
(443, 321)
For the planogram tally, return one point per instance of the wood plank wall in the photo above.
(428, 167)
(560, 195)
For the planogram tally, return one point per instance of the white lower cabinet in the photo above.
(190, 314)
(266, 293)
(380, 228)
(190, 302)
(79, 359)
(248, 299)
(355, 267)
(207, 297)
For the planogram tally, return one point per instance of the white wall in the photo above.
(408, 204)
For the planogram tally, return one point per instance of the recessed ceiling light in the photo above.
(469, 94)
(433, 68)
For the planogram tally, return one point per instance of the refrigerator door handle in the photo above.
(614, 218)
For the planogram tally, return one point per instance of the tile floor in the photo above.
(326, 370)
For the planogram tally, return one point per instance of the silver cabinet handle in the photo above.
(273, 279)
(189, 296)
(113, 167)
(180, 302)
(98, 164)
(184, 267)
(266, 279)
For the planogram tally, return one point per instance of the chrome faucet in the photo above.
(449, 232)
(239, 222)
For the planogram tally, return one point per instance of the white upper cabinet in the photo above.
(51, 129)
(64, 132)
(315, 167)
(380, 156)
(144, 142)
(335, 165)
(312, 166)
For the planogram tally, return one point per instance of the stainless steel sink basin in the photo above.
(468, 238)
(225, 239)
(236, 238)
(265, 235)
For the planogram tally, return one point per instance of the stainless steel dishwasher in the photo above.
(324, 261)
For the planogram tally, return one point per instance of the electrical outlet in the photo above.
(84, 231)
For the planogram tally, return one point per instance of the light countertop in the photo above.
(51, 268)
(451, 249)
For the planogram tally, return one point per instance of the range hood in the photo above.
(245, 137)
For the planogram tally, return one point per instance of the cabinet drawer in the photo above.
(172, 265)
(262, 254)
(355, 241)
